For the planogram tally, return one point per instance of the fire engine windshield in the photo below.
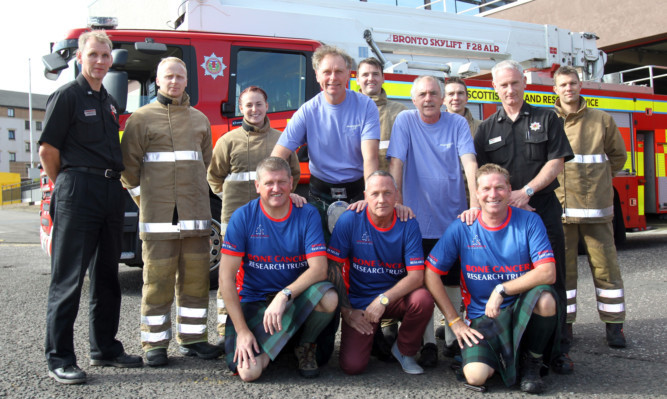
(281, 74)
(141, 70)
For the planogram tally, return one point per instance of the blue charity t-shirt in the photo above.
(334, 134)
(491, 255)
(433, 185)
(273, 252)
(374, 259)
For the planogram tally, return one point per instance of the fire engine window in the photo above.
(141, 69)
(281, 75)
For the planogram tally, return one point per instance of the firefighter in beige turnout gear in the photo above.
(166, 149)
(231, 173)
(370, 78)
(587, 195)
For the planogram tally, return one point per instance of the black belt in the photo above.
(338, 190)
(107, 173)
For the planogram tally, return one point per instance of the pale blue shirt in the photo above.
(433, 185)
(334, 134)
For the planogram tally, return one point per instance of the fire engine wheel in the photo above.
(216, 243)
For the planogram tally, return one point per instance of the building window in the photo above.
(38, 125)
(10, 112)
(27, 125)
(11, 134)
(27, 146)
(12, 157)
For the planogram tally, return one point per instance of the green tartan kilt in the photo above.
(295, 315)
(502, 336)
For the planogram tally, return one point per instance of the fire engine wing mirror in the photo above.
(116, 84)
(150, 47)
(54, 63)
(228, 109)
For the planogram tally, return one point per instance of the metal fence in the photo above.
(27, 191)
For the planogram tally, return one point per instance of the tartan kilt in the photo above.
(295, 315)
(502, 336)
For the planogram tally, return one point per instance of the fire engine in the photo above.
(228, 45)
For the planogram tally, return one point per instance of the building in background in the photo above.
(632, 33)
(15, 131)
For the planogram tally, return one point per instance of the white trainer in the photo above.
(408, 363)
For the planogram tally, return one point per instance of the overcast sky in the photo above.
(26, 28)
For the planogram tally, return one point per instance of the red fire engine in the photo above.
(228, 45)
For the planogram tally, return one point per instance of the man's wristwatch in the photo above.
(384, 301)
(288, 293)
(501, 290)
(529, 191)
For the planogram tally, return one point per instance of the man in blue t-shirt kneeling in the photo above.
(376, 262)
(272, 276)
(507, 268)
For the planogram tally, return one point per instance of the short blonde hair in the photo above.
(167, 60)
(272, 164)
(99, 35)
(490, 169)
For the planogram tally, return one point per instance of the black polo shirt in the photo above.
(523, 146)
(83, 125)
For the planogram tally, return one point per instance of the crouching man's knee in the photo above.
(250, 372)
(328, 303)
(546, 305)
(477, 373)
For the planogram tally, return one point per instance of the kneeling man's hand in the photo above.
(493, 305)
(374, 311)
(355, 319)
(273, 315)
(246, 347)
(466, 334)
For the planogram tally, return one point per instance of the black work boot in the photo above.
(202, 350)
(531, 382)
(615, 336)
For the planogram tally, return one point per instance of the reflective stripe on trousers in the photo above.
(183, 225)
(609, 293)
(155, 320)
(611, 308)
(588, 213)
(191, 312)
(155, 336)
(191, 328)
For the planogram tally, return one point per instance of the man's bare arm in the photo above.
(470, 168)
(369, 152)
(49, 156)
(409, 283)
(335, 275)
(246, 344)
(547, 174)
(396, 171)
(280, 151)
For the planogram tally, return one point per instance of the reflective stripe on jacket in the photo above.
(586, 190)
(166, 150)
